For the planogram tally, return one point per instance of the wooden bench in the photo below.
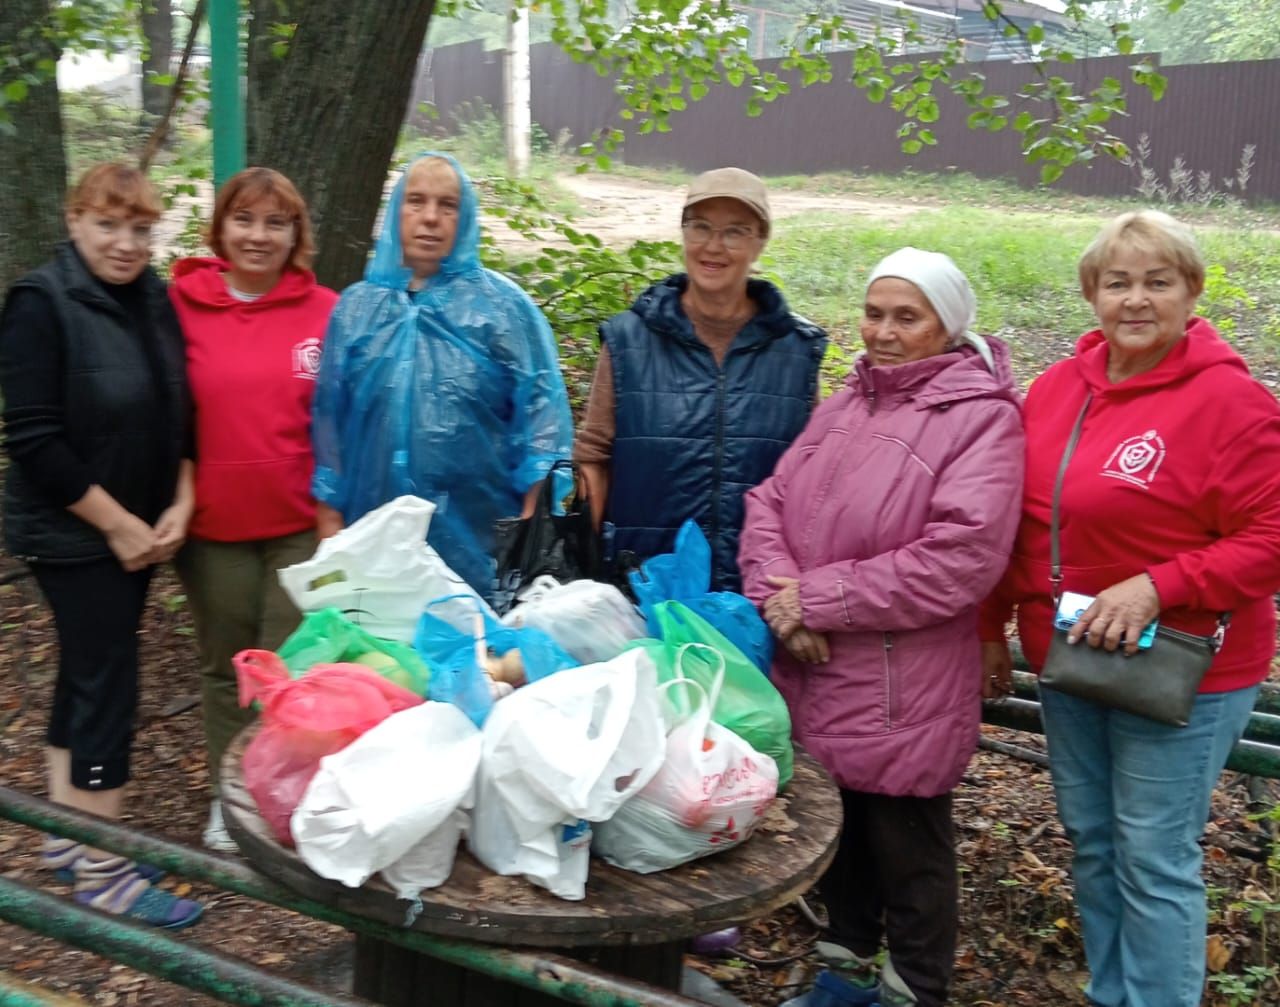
(635, 925)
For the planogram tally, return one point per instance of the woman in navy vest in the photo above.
(700, 386)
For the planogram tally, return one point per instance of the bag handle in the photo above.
(1055, 545)
(547, 497)
(716, 682)
(1055, 551)
(688, 683)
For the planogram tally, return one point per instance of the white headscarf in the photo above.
(945, 287)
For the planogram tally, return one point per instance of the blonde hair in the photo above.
(114, 186)
(1150, 231)
(433, 164)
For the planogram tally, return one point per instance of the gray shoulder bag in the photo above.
(1159, 683)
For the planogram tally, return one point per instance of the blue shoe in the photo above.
(832, 990)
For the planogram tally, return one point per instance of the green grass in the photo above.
(961, 188)
(1023, 270)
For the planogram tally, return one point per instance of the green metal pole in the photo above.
(15, 993)
(1253, 758)
(543, 971)
(221, 976)
(226, 100)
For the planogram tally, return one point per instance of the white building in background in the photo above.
(117, 75)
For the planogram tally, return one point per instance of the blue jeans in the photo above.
(1133, 796)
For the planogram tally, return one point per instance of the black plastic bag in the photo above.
(564, 546)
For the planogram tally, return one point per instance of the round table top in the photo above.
(789, 851)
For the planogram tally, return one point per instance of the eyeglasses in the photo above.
(699, 232)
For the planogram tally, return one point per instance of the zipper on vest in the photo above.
(719, 467)
(888, 681)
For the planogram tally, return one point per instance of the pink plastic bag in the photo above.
(303, 720)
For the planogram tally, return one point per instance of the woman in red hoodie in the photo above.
(254, 319)
(1170, 509)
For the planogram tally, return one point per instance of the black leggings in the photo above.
(97, 608)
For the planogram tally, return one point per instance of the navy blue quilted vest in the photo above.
(692, 437)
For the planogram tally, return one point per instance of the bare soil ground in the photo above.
(622, 210)
(1019, 945)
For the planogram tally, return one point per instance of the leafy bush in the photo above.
(575, 279)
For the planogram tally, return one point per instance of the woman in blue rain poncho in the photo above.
(439, 378)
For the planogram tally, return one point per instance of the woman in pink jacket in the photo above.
(869, 549)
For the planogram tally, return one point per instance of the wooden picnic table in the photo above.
(636, 925)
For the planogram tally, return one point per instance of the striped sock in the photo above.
(58, 853)
(112, 884)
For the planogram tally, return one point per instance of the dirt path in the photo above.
(615, 209)
(622, 210)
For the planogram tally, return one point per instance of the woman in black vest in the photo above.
(700, 387)
(95, 414)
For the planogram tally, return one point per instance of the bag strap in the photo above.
(1055, 549)
(1055, 545)
(547, 498)
(717, 680)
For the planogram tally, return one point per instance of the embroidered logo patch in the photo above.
(1137, 459)
(306, 359)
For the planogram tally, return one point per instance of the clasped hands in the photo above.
(138, 545)
(783, 613)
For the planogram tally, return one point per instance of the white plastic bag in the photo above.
(573, 746)
(708, 796)
(591, 621)
(394, 801)
(379, 572)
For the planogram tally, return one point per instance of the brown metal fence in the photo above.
(1209, 115)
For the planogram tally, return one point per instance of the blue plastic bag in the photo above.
(685, 576)
(457, 674)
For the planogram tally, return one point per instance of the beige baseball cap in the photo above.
(731, 183)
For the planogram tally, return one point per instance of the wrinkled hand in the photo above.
(133, 542)
(171, 531)
(782, 610)
(1122, 610)
(997, 670)
(807, 646)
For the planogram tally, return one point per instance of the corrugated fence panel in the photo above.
(1210, 112)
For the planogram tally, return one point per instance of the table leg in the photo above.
(396, 977)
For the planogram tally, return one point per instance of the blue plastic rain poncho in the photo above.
(452, 393)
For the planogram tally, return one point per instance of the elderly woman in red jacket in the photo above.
(869, 548)
(254, 319)
(1170, 509)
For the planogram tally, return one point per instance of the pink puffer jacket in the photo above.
(896, 509)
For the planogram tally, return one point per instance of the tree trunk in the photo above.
(34, 177)
(328, 112)
(157, 29)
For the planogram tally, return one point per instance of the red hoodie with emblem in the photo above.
(252, 366)
(1177, 474)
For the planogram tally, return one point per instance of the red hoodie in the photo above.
(1177, 473)
(252, 367)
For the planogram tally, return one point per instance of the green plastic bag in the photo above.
(327, 637)
(748, 704)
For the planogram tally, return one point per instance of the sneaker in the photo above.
(834, 990)
(114, 886)
(716, 942)
(894, 991)
(216, 837)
